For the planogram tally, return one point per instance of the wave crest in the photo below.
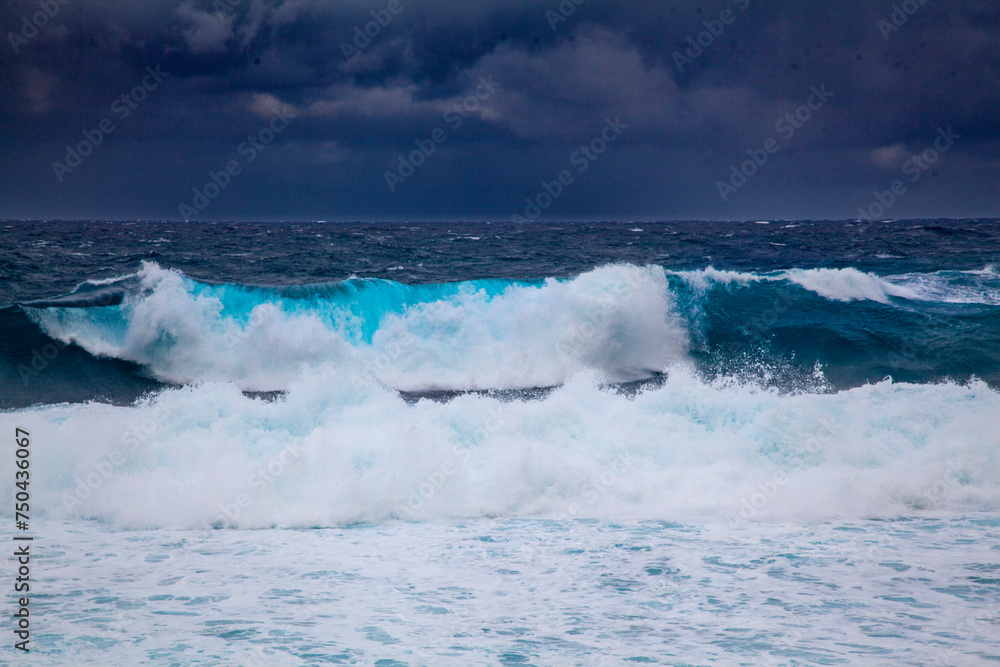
(616, 320)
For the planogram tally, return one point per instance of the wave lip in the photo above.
(954, 287)
(848, 285)
(845, 284)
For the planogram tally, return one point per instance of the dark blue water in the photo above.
(915, 300)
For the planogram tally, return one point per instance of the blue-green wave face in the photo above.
(795, 328)
(489, 334)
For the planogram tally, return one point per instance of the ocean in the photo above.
(691, 443)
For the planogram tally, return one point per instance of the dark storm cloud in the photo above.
(698, 85)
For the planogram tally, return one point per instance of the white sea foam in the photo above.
(848, 285)
(836, 284)
(980, 286)
(704, 279)
(100, 282)
(339, 450)
(616, 320)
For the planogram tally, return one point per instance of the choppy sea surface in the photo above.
(526, 591)
(760, 443)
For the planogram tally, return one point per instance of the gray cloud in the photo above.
(687, 124)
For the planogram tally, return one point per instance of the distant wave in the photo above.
(849, 284)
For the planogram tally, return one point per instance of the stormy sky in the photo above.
(488, 109)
